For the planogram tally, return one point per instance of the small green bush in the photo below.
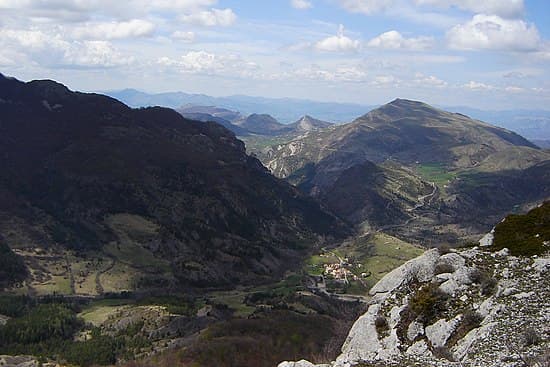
(381, 324)
(428, 302)
(530, 337)
(487, 283)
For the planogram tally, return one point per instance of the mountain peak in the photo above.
(307, 123)
(409, 104)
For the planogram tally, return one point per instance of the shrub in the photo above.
(443, 352)
(488, 286)
(487, 283)
(381, 324)
(530, 337)
(428, 302)
(471, 320)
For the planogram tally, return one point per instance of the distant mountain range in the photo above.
(285, 110)
(254, 124)
(532, 124)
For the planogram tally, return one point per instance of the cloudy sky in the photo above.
(491, 54)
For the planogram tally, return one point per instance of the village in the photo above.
(340, 271)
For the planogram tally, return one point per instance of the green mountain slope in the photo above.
(409, 163)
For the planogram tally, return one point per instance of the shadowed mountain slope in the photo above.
(70, 161)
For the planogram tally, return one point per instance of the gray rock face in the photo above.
(439, 332)
(362, 342)
(419, 269)
(415, 329)
(488, 239)
(18, 361)
(302, 363)
(3, 320)
(521, 300)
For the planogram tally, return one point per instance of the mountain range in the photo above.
(86, 173)
(374, 170)
(219, 236)
(532, 124)
(283, 109)
(261, 125)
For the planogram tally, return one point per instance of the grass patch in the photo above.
(235, 300)
(437, 173)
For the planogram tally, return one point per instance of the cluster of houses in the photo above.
(339, 271)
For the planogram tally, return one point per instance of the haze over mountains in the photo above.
(532, 124)
(285, 110)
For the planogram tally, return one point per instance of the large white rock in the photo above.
(450, 286)
(439, 332)
(453, 259)
(461, 349)
(18, 361)
(541, 265)
(488, 239)
(362, 342)
(415, 329)
(390, 346)
(420, 348)
(420, 269)
(302, 363)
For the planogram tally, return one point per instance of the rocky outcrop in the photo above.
(464, 308)
(24, 361)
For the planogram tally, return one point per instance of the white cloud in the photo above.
(95, 54)
(183, 36)
(366, 6)
(477, 86)
(80, 11)
(115, 30)
(338, 43)
(395, 40)
(543, 54)
(514, 89)
(492, 32)
(339, 74)
(211, 18)
(6, 61)
(504, 8)
(429, 81)
(301, 4)
(384, 81)
(53, 51)
(202, 62)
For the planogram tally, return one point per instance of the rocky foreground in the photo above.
(466, 307)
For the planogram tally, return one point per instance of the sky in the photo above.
(488, 54)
